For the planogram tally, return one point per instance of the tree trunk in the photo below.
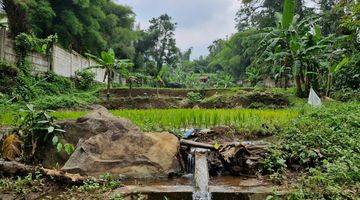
(159, 65)
(130, 86)
(329, 83)
(302, 78)
(307, 84)
(108, 87)
(287, 72)
(299, 91)
(190, 143)
(14, 168)
(17, 16)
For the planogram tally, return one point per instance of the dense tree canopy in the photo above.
(262, 13)
(299, 46)
(163, 49)
(82, 25)
(303, 46)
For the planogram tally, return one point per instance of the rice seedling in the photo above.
(246, 119)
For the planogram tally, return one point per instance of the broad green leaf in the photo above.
(59, 147)
(69, 148)
(337, 67)
(317, 33)
(55, 140)
(288, 13)
(43, 122)
(294, 45)
(278, 17)
(109, 56)
(30, 107)
(297, 68)
(47, 116)
(50, 129)
(60, 130)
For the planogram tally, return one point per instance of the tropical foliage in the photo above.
(35, 130)
(297, 45)
(324, 142)
(112, 67)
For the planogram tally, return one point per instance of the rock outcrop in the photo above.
(107, 144)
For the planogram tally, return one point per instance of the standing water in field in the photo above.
(201, 175)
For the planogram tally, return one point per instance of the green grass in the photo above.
(243, 119)
(62, 115)
(168, 119)
(324, 142)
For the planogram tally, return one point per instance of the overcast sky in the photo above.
(199, 21)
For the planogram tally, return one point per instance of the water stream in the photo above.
(190, 162)
(201, 175)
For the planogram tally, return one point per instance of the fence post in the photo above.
(71, 62)
(2, 43)
(51, 58)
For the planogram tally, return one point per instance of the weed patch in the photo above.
(324, 143)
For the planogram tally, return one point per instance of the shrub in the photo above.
(347, 94)
(35, 129)
(29, 87)
(84, 79)
(325, 142)
(194, 97)
(67, 101)
(349, 75)
(8, 74)
(50, 83)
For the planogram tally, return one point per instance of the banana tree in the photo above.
(299, 48)
(313, 55)
(108, 62)
(333, 70)
(275, 46)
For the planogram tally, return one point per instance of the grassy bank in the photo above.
(322, 143)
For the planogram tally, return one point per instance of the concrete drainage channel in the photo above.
(198, 185)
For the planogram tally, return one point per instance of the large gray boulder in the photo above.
(114, 145)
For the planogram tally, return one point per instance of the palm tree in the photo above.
(111, 65)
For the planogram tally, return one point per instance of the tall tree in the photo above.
(163, 44)
(83, 25)
(262, 13)
(185, 56)
(17, 13)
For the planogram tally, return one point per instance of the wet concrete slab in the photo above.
(154, 189)
(238, 181)
(173, 192)
(221, 188)
(242, 190)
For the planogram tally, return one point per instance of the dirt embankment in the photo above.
(179, 98)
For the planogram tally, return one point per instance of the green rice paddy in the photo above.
(169, 119)
(247, 119)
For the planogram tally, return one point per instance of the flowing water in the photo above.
(190, 162)
(197, 185)
(201, 176)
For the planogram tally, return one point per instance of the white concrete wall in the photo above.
(65, 63)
